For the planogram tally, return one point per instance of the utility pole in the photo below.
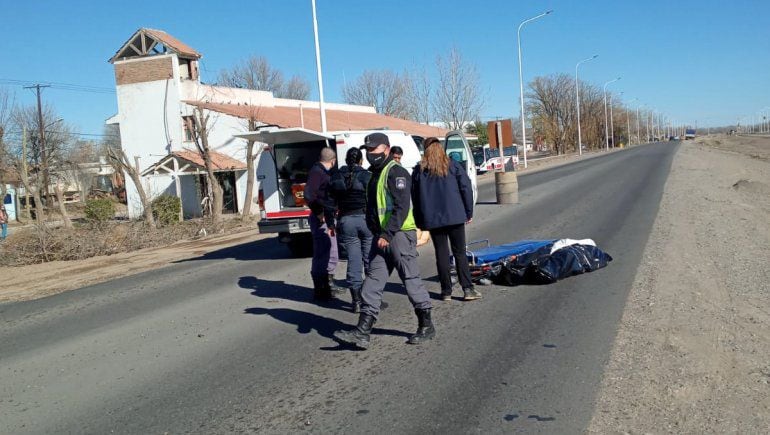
(24, 169)
(41, 136)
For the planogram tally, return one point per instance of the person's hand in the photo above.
(332, 232)
(468, 221)
(382, 243)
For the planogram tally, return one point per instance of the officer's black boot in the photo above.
(355, 299)
(425, 329)
(334, 288)
(358, 336)
(320, 288)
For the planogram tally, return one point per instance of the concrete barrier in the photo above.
(507, 187)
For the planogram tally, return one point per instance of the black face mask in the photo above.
(375, 159)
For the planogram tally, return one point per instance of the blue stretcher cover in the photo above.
(495, 253)
(535, 261)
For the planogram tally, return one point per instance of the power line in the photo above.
(73, 133)
(60, 86)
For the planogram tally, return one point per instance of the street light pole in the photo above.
(612, 123)
(318, 70)
(521, 84)
(638, 136)
(577, 101)
(628, 123)
(606, 131)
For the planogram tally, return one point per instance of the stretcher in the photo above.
(487, 261)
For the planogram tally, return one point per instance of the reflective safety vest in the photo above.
(385, 202)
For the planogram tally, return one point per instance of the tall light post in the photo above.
(638, 133)
(606, 131)
(612, 122)
(318, 70)
(648, 125)
(577, 101)
(628, 122)
(521, 83)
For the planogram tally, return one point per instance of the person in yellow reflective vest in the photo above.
(389, 217)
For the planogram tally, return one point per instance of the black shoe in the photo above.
(358, 336)
(471, 294)
(425, 329)
(320, 289)
(355, 298)
(446, 295)
(334, 288)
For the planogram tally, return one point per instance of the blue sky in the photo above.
(706, 61)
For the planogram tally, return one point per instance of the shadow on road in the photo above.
(265, 249)
(309, 322)
(267, 289)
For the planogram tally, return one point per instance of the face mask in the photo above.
(375, 159)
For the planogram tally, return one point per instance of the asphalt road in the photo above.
(232, 341)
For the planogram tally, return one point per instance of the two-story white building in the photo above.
(158, 85)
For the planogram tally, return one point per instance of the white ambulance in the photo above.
(288, 155)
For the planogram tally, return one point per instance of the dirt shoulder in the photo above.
(691, 355)
(40, 280)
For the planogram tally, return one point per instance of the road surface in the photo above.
(231, 341)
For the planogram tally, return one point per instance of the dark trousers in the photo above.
(357, 239)
(325, 255)
(442, 237)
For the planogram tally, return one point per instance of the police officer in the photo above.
(348, 189)
(389, 217)
(325, 255)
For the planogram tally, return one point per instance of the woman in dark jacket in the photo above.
(442, 198)
(348, 189)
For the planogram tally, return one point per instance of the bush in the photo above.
(99, 210)
(165, 209)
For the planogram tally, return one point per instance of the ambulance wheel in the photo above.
(301, 246)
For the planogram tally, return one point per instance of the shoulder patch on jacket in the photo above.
(400, 183)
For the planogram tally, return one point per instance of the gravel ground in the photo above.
(691, 354)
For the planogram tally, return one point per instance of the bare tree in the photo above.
(79, 156)
(553, 109)
(253, 73)
(252, 154)
(6, 108)
(41, 157)
(419, 93)
(198, 124)
(256, 73)
(384, 89)
(458, 98)
(296, 88)
(122, 164)
(59, 192)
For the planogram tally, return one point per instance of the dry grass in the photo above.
(43, 243)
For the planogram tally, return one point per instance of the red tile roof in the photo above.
(336, 120)
(220, 161)
(169, 41)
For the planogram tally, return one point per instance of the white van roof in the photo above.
(284, 135)
(366, 132)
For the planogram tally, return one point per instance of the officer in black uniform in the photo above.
(389, 217)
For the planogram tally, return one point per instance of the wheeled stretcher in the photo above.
(532, 261)
(487, 261)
